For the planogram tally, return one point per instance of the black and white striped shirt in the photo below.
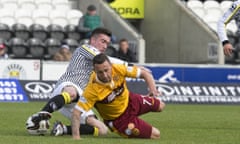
(80, 66)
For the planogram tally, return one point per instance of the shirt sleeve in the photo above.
(117, 61)
(225, 19)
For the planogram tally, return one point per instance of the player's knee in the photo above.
(155, 133)
(161, 106)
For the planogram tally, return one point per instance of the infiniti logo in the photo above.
(38, 87)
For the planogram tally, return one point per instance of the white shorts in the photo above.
(66, 110)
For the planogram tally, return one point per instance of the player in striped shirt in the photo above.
(69, 87)
(233, 13)
(108, 93)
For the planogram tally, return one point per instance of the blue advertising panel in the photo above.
(11, 91)
(165, 74)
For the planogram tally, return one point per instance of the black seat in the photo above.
(72, 32)
(5, 31)
(18, 47)
(38, 31)
(21, 31)
(72, 43)
(56, 31)
(36, 48)
(52, 46)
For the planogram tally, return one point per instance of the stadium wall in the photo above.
(173, 34)
(119, 27)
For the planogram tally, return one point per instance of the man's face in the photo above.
(124, 46)
(92, 13)
(104, 71)
(2, 51)
(101, 42)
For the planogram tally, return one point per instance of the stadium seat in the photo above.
(72, 32)
(58, 17)
(225, 5)
(40, 16)
(197, 7)
(27, 4)
(44, 4)
(84, 41)
(38, 31)
(36, 48)
(52, 46)
(19, 48)
(73, 16)
(7, 16)
(56, 31)
(61, 5)
(24, 16)
(10, 4)
(5, 31)
(72, 43)
(211, 21)
(21, 31)
(210, 4)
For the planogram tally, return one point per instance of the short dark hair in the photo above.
(100, 58)
(101, 30)
(123, 40)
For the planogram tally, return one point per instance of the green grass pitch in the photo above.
(179, 124)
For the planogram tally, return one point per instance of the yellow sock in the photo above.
(96, 131)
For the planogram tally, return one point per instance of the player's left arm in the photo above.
(148, 77)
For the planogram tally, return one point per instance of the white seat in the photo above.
(210, 4)
(44, 4)
(197, 7)
(73, 16)
(225, 5)
(58, 17)
(41, 16)
(194, 3)
(61, 4)
(10, 4)
(211, 21)
(24, 16)
(7, 16)
(27, 4)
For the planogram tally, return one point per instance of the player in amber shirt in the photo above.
(119, 108)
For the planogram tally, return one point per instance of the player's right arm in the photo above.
(76, 124)
(221, 27)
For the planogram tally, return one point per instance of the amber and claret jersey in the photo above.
(110, 99)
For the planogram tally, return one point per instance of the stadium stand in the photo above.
(56, 31)
(52, 46)
(36, 48)
(36, 28)
(5, 31)
(7, 16)
(18, 48)
(27, 4)
(24, 16)
(72, 43)
(21, 31)
(72, 32)
(38, 31)
(40, 16)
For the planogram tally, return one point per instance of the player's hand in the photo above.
(228, 49)
(155, 93)
(76, 137)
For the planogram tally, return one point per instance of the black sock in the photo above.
(84, 129)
